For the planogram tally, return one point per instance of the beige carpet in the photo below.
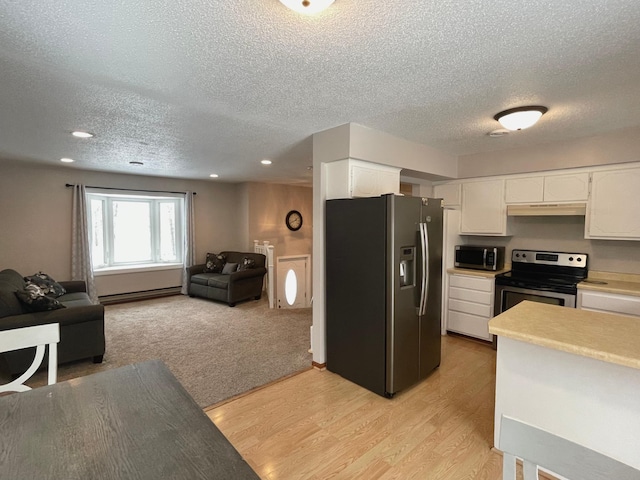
(215, 351)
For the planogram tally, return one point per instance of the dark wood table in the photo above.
(134, 422)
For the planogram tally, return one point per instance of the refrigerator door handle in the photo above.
(424, 243)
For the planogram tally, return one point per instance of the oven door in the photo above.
(507, 297)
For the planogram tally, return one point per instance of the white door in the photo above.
(292, 282)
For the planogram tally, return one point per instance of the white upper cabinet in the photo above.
(354, 178)
(550, 188)
(449, 192)
(524, 190)
(566, 188)
(483, 208)
(613, 211)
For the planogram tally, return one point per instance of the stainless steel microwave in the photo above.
(479, 257)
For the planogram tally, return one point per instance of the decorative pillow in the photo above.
(229, 268)
(214, 263)
(47, 284)
(34, 299)
(247, 264)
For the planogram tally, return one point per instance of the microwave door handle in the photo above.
(484, 258)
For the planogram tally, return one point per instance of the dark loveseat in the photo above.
(81, 323)
(233, 287)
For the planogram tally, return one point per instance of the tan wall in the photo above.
(35, 218)
(620, 146)
(268, 208)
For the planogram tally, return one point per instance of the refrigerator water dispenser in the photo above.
(407, 267)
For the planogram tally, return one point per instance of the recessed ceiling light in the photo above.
(520, 118)
(266, 162)
(135, 162)
(214, 175)
(81, 134)
(66, 160)
(307, 7)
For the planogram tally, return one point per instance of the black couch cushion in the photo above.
(229, 268)
(75, 299)
(247, 264)
(47, 284)
(34, 299)
(202, 278)
(214, 262)
(238, 257)
(219, 281)
(10, 282)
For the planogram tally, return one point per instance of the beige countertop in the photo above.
(608, 282)
(604, 336)
(477, 273)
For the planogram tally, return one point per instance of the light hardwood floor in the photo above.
(316, 425)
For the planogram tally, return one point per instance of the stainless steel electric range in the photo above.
(546, 277)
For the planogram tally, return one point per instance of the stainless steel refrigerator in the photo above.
(383, 290)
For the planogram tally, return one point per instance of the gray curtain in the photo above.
(189, 239)
(81, 268)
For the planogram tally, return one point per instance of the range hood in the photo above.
(547, 209)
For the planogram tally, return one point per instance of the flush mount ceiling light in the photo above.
(521, 117)
(266, 162)
(66, 160)
(307, 7)
(214, 175)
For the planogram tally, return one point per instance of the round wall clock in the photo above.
(294, 220)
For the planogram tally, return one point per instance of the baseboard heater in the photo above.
(143, 295)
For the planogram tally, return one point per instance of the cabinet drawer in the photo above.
(467, 295)
(472, 325)
(625, 305)
(473, 283)
(470, 307)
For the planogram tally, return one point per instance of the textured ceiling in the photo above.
(198, 87)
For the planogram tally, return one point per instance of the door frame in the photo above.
(307, 259)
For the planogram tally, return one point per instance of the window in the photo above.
(129, 230)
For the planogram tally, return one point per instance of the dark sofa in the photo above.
(230, 288)
(81, 323)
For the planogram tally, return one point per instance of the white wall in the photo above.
(619, 146)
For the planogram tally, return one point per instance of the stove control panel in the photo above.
(560, 259)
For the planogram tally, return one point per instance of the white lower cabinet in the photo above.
(609, 302)
(470, 305)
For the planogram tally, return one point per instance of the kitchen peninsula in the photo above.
(574, 373)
